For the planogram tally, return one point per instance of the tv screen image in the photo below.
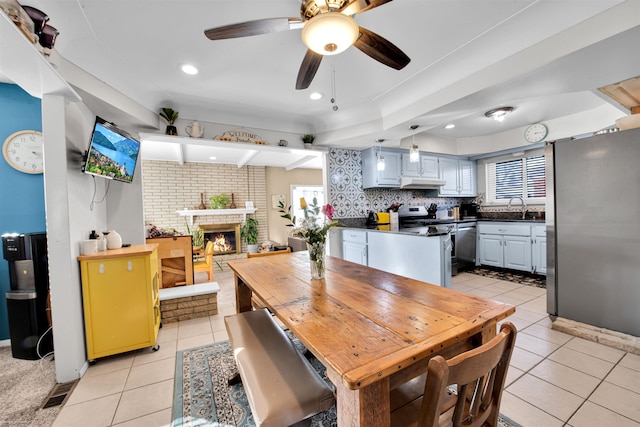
(112, 153)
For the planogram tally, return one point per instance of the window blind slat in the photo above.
(517, 178)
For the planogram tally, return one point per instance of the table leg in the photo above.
(489, 332)
(368, 406)
(243, 296)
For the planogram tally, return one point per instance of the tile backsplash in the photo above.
(351, 201)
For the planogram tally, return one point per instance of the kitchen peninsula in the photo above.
(422, 254)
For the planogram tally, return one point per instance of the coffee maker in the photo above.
(27, 299)
(469, 210)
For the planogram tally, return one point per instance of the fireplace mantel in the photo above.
(203, 212)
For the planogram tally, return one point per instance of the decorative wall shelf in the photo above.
(25, 66)
(185, 149)
(203, 212)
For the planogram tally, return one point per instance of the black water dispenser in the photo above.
(27, 299)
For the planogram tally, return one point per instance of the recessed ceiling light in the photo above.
(315, 96)
(212, 158)
(189, 69)
(450, 126)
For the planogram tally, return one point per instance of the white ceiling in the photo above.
(546, 58)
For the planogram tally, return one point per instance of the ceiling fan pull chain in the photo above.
(333, 87)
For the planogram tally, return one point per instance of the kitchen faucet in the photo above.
(524, 205)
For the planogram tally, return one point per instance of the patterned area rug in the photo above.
(511, 276)
(202, 397)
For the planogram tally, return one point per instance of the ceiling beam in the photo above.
(247, 158)
(180, 153)
(299, 163)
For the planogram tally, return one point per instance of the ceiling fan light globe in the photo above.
(330, 33)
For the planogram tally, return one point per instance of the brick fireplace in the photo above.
(225, 237)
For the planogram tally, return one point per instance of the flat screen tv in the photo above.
(113, 153)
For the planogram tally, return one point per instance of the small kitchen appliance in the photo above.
(372, 219)
(468, 210)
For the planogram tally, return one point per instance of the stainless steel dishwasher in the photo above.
(466, 245)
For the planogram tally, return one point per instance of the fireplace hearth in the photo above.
(225, 237)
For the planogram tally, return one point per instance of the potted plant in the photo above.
(219, 201)
(307, 139)
(197, 236)
(170, 116)
(249, 233)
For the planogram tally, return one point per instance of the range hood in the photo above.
(421, 183)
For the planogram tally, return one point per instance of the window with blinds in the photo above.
(523, 177)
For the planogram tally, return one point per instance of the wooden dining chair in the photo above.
(255, 301)
(465, 390)
(260, 254)
(206, 266)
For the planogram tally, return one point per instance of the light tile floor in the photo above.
(555, 379)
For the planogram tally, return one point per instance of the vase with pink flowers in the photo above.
(313, 229)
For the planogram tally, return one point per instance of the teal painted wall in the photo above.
(21, 194)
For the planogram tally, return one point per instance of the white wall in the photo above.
(65, 218)
(71, 216)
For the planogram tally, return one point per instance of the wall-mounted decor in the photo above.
(276, 200)
(241, 136)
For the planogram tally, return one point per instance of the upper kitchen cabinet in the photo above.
(427, 167)
(389, 177)
(460, 176)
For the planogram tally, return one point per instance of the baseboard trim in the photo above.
(619, 340)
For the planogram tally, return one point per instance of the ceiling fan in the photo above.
(328, 28)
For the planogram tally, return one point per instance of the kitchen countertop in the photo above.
(431, 227)
(535, 221)
(429, 231)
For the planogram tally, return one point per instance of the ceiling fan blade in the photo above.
(381, 49)
(254, 28)
(360, 6)
(308, 69)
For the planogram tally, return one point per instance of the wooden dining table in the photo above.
(372, 330)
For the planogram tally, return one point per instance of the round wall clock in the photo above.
(535, 133)
(23, 151)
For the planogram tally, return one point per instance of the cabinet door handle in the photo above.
(130, 266)
(101, 268)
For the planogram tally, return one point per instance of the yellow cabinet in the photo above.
(121, 300)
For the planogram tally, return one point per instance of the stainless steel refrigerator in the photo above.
(593, 230)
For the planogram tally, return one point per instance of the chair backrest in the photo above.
(259, 254)
(479, 376)
(208, 252)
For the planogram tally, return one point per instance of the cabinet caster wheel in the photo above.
(92, 362)
(160, 327)
(156, 347)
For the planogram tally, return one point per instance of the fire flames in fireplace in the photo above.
(221, 245)
(225, 237)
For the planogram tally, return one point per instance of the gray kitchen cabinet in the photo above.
(427, 167)
(539, 249)
(387, 178)
(460, 177)
(505, 245)
(354, 246)
(490, 251)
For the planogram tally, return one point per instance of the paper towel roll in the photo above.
(89, 247)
